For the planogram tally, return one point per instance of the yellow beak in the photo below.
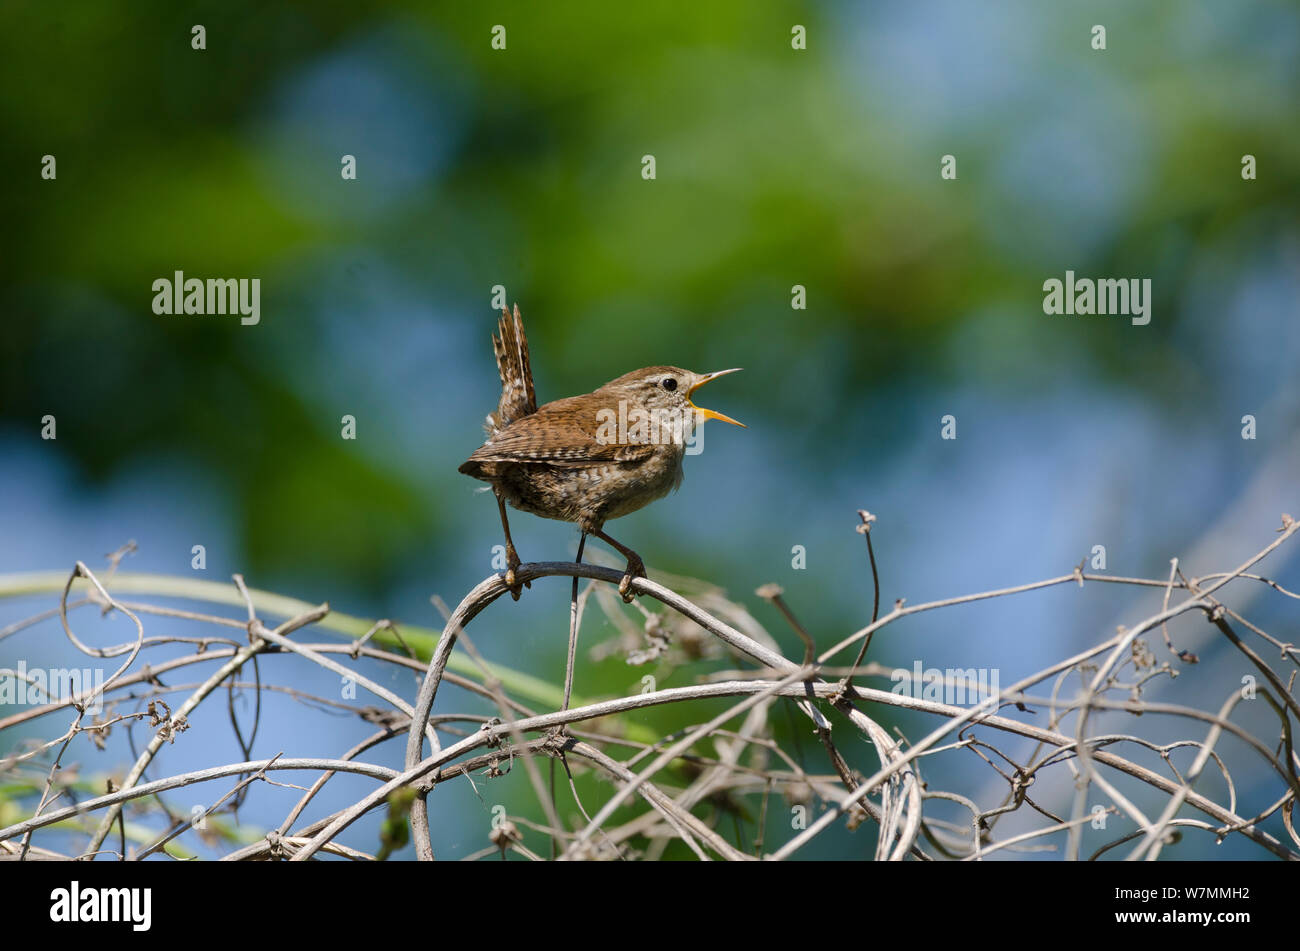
(708, 413)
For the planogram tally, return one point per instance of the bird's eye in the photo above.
(669, 384)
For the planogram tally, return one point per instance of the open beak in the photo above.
(708, 413)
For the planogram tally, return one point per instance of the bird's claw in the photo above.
(514, 586)
(635, 569)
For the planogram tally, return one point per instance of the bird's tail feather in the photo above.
(517, 396)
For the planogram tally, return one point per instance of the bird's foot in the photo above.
(635, 569)
(513, 562)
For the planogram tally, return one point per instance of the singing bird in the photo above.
(590, 458)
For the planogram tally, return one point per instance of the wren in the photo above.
(577, 459)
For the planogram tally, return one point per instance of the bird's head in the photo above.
(666, 389)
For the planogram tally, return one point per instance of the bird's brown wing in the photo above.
(559, 434)
(517, 396)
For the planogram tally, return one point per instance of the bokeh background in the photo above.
(775, 167)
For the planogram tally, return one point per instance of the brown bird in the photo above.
(588, 458)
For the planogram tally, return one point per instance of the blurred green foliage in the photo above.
(774, 168)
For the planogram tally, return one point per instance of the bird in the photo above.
(590, 458)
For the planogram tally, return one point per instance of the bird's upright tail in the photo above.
(517, 396)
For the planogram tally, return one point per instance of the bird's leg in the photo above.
(573, 637)
(512, 556)
(635, 566)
